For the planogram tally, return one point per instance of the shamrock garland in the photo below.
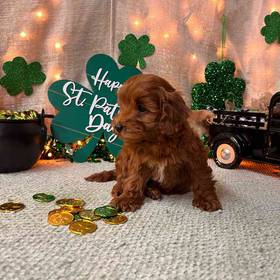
(134, 50)
(271, 31)
(20, 76)
(221, 85)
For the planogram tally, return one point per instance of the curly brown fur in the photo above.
(200, 121)
(159, 146)
(103, 176)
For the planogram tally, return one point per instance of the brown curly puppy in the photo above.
(161, 153)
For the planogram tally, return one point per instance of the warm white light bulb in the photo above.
(57, 76)
(39, 14)
(23, 34)
(57, 45)
(136, 22)
(166, 35)
(194, 56)
(49, 154)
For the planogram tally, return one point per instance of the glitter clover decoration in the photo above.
(271, 30)
(133, 50)
(221, 85)
(21, 76)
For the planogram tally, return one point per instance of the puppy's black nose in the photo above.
(118, 127)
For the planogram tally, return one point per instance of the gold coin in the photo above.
(11, 207)
(55, 211)
(71, 208)
(82, 227)
(71, 202)
(60, 218)
(116, 220)
(89, 215)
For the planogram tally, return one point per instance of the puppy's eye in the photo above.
(141, 108)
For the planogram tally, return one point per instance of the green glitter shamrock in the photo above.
(20, 76)
(271, 31)
(134, 50)
(221, 85)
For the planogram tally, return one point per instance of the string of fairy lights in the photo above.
(139, 23)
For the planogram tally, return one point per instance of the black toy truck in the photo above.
(255, 136)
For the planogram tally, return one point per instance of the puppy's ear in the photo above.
(173, 114)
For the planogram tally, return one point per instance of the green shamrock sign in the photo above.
(86, 112)
(134, 50)
(271, 31)
(20, 76)
(220, 86)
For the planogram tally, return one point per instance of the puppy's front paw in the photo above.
(127, 204)
(207, 204)
(117, 190)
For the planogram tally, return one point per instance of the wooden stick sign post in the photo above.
(87, 113)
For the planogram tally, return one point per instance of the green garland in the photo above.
(56, 150)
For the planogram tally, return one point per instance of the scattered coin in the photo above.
(89, 215)
(43, 197)
(55, 211)
(11, 207)
(106, 211)
(70, 202)
(71, 208)
(82, 227)
(116, 220)
(60, 218)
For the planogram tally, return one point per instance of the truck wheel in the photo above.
(226, 154)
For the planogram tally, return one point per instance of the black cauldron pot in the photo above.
(21, 143)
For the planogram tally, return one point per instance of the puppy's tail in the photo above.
(104, 176)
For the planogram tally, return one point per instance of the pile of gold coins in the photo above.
(72, 213)
(80, 220)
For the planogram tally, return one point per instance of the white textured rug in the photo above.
(163, 240)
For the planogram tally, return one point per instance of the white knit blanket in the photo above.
(166, 239)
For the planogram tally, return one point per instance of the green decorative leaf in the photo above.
(87, 113)
(221, 85)
(20, 76)
(143, 40)
(133, 50)
(271, 30)
(142, 63)
(128, 61)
